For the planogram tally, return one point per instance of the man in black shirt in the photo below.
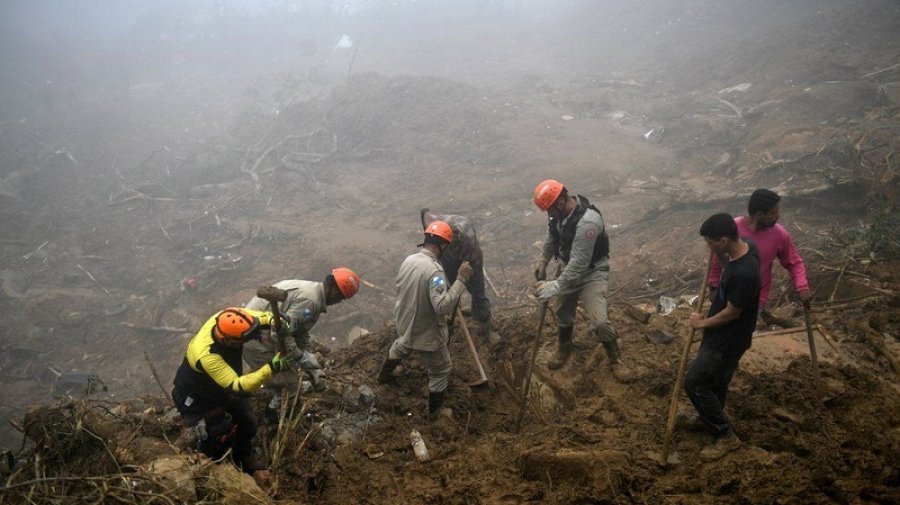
(727, 330)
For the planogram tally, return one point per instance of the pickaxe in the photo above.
(274, 295)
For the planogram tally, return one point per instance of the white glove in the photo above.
(197, 433)
(547, 289)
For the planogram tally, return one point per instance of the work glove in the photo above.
(285, 330)
(540, 271)
(280, 363)
(546, 290)
(197, 433)
(465, 272)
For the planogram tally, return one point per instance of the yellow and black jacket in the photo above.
(211, 372)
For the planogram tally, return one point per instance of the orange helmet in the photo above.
(440, 229)
(347, 281)
(546, 193)
(235, 325)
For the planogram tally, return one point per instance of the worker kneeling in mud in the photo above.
(211, 390)
(424, 306)
(306, 301)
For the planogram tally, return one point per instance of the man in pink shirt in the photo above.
(772, 240)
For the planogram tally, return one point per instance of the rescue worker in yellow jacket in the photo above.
(211, 388)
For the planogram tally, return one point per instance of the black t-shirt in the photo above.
(740, 285)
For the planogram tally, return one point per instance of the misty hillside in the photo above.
(160, 160)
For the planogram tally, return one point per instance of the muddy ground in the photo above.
(237, 169)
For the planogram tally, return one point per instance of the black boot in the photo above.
(620, 370)
(612, 351)
(386, 373)
(436, 401)
(564, 350)
(487, 331)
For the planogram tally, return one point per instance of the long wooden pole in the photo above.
(482, 378)
(534, 351)
(679, 377)
(812, 346)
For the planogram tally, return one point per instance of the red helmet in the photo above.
(546, 193)
(347, 281)
(440, 229)
(235, 325)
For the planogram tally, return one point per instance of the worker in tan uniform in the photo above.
(577, 238)
(465, 247)
(425, 301)
(306, 301)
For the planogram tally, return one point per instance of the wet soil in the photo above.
(129, 220)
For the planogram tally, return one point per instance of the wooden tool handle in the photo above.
(274, 295)
(679, 377)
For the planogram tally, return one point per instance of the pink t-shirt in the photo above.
(772, 242)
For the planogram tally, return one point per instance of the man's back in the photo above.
(417, 321)
(465, 245)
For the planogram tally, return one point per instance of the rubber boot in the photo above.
(564, 350)
(619, 370)
(487, 331)
(386, 373)
(724, 444)
(435, 405)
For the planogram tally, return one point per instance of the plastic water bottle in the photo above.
(418, 444)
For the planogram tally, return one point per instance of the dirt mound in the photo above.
(399, 119)
(131, 221)
(586, 437)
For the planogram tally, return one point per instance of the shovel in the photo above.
(483, 378)
(679, 376)
(534, 351)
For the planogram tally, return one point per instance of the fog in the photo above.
(159, 160)
(65, 53)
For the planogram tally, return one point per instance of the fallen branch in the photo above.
(373, 286)
(627, 283)
(732, 107)
(309, 434)
(856, 303)
(837, 283)
(883, 70)
(783, 331)
(155, 375)
(35, 251)
(91, 276)
(827, 337)
(156, 329)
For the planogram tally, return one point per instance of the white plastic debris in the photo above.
(655, 135)
(666, 305)
(418, 444)
(345, 43)
(566, 117)
(744, 86)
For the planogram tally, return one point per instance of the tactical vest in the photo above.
(566, 236)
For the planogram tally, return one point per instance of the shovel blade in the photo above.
(478, 383)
